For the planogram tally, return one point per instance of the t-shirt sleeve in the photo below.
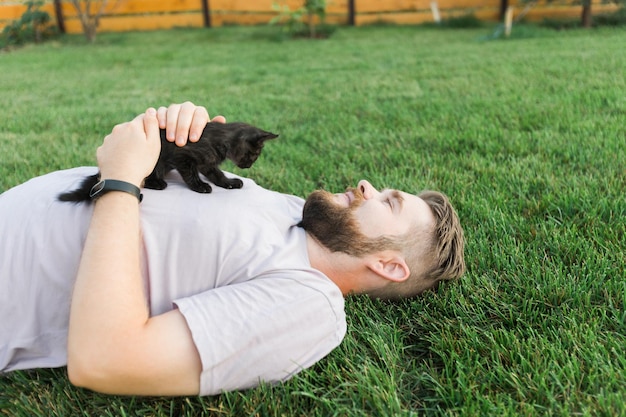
(267, 329)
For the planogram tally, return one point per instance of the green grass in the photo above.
(527, 136)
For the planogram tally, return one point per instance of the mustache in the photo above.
(358, 196)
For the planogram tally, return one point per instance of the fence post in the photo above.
(58, 11)
(504, 4)
(206, 13)
(351, 12)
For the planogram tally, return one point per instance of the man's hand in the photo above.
(183, 121)
(129, 153)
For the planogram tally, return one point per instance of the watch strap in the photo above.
(105, 186)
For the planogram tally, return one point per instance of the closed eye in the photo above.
(393, 199)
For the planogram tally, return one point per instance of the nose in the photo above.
(367, 189)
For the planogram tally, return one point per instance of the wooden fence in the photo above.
(125, 15)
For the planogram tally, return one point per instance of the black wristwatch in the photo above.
(105, 186)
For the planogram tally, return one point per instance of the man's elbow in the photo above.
(86, 372)
(77, 375)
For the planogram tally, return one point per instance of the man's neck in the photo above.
(344, 270)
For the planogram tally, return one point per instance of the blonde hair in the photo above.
(432, 256)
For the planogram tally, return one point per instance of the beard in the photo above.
(336, 227)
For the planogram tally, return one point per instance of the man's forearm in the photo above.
(108, 303)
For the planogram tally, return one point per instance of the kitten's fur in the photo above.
(239, 142)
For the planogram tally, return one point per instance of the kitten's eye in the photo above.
(388, 201)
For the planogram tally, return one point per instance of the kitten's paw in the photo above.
(234, 183)
(203, 188)
(154, 184)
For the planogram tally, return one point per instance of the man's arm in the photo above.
(113, 344)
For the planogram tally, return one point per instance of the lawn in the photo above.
(527, 136)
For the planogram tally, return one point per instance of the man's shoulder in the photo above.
(308, 289)
(306, 279)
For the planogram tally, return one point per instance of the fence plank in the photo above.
(10, 11)
(565, 12)
(125, 7)
(130, 23)
(422, 16)
(267, 6)
(465, 4)
(395, 6)
(409, 6)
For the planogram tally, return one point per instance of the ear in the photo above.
(389, 265)
(268, 136)
(260, 137)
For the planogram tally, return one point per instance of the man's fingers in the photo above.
(151, 123)
(219, 119)
(184, 121)
(198, 123)
(185, 117)
(162, 117)
(171, 116)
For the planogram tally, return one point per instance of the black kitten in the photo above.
(239, 142)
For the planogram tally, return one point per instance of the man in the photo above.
(187, 293)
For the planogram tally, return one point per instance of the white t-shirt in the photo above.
(233, 262)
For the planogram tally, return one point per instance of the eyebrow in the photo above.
(397, 195)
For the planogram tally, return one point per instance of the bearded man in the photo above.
(188, 294)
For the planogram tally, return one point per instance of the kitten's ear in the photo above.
(265, 136)
(270, 135)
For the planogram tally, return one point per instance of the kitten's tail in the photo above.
(81, 193)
